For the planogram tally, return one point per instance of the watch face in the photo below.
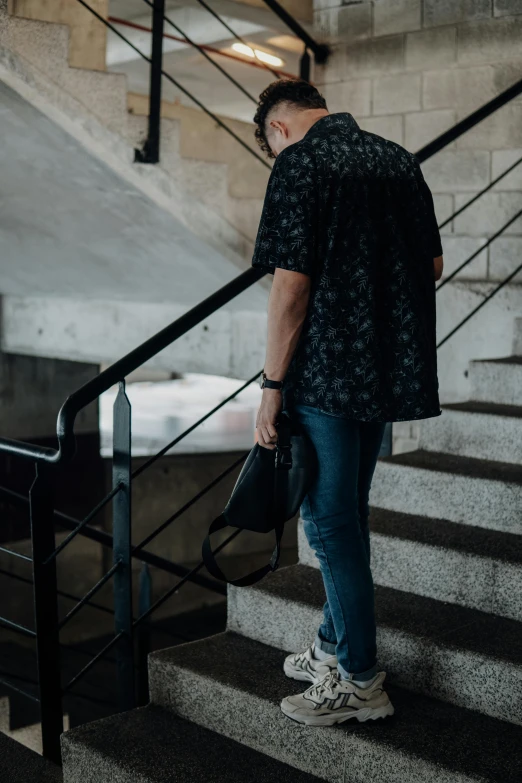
(261, 380)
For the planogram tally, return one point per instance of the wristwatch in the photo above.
(265, 383)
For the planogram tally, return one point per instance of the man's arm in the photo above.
(287, 307)
(438, 265)
(286, 245)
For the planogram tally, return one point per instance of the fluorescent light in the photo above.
(257, 54)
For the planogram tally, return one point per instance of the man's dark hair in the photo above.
(294, 91)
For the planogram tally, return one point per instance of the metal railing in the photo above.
(44, 516)
(150, 152)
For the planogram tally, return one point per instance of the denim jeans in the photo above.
(335, 516)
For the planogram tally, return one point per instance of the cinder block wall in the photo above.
(410, 69)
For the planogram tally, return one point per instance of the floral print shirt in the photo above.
(352, 210)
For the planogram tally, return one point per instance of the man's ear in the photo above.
(279, 126)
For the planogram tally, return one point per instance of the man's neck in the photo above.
(309, 117)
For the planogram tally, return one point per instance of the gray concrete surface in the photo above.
(18, 764)
(459, 564)
(473, 429)
(124, 749)
(461, 489)
(90, 265)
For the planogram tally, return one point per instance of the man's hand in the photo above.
(268, 416)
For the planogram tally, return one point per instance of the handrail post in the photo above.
(144, 634)
(304, 65)
(122, 548)
(321, 51)
(151, 149)
(41, 499)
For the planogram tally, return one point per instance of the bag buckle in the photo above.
(283, 457)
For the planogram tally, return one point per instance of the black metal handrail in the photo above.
(204, 54)
(480, 249)
(321, 50)
(90, 391)
(481, 305)
(105, 539)
(469, 122)
(480, 193)
(156, 92)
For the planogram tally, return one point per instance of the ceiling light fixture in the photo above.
(257, 54)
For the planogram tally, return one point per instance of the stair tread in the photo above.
(462, 466)
(150, 743)
(422, 727)
(18, 764)
(500, 360)
(451, 625)
(442, 533)
(488, 408)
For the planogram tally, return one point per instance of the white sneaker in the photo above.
(304, 666)
(334, 700)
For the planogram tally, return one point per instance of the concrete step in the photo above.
(497, 380)
(463, 656)
(484, 493)
(18, 764)
(150, 745)
(462, 564)
(483, 430)
(234, 686)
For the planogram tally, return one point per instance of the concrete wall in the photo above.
(201, 139)
(88, 36)
(32, 390)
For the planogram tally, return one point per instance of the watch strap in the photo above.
(268, 384)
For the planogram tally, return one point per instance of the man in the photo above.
(349, 232)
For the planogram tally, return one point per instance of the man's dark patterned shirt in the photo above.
(352, 210)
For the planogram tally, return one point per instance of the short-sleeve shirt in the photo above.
(352, 210)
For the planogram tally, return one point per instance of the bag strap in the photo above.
(212, 567)
(283, 463)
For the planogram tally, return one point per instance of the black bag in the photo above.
(268, 492)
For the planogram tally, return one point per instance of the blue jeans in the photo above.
(335, 517)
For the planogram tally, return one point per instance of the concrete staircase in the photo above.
(38, 52)
(447, 562)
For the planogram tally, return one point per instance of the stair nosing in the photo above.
(462, 466)
(467, 539)
(485, 408)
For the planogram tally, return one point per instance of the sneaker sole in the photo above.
(367, 713)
